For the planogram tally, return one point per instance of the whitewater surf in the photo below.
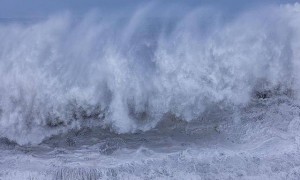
(160, 90)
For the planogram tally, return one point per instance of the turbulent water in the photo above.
(178, 93)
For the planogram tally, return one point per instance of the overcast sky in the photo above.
(42, 8)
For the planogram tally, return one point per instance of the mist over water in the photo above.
(155, 83)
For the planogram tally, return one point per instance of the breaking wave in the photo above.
(126, 74)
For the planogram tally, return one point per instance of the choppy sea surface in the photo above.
(178, 94)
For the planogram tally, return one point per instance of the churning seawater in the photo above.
(199, 93)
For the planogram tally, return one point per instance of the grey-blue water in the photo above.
(177, 92)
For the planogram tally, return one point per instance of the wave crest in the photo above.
(127, 73)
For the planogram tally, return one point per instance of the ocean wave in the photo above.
(127, 73)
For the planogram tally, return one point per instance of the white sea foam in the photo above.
(127, 73)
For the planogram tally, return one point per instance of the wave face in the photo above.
(128, 73)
